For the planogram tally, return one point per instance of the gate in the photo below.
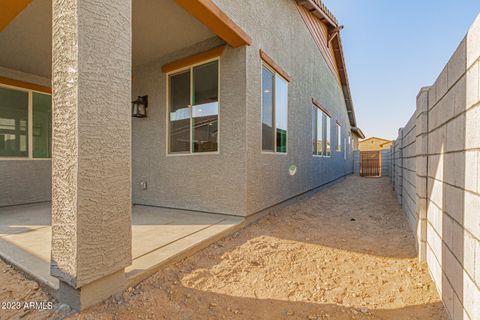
(370, 164)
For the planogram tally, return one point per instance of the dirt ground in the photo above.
(21, 298)
(344, 253)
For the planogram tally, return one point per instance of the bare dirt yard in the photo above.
(21, 298)
(344, 253)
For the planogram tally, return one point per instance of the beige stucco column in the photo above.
(91, 162)
(421, 145)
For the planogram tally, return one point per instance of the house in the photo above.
(357, 135)
(374, 144)
(372, 157)
(239, 106)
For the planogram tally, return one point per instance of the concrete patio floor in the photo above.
(159, 235)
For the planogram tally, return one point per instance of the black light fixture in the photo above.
(139, 107)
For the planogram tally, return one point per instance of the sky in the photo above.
(393, 48)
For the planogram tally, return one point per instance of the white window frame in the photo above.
(29, 120)
(349, 141)
(167, 111)
(317, 110)
(273, 111)
(338, 147)
(328, 135)
(324, 130)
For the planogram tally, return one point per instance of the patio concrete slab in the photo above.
(159, 236)
(194, 238)
(18, 219)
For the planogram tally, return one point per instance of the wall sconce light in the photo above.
(139, 107)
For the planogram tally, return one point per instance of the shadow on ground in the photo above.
(344, 253)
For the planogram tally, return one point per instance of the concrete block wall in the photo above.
(356, 162)
(392, 164)
(386, 162)
(408, 171)
(446, 169)
(397, 165)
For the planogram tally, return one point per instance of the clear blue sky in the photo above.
(392, 49)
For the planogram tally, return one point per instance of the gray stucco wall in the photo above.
(288, 41)
(242, 180)
(24, 181)
(206, 182)
(91, 159)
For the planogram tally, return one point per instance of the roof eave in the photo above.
(358, 132)
(322, 12)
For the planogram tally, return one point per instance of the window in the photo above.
(320, 132)
(274, 111)
(25, 123)
(42, 125)
(328, 129)
(193, 109)
(339, 138)
(348, 146)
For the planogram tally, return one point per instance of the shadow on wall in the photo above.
(452, 183)
(447, 184)
(447, 178)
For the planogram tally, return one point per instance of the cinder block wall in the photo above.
(406, 164)
(386, 162)
(397, 166)
(356, 162)
(447, 175)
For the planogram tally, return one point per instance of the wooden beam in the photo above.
(197, 58)
(208, 13)
(9, 9)
(317, 104)
(266, 58)
(25, 85)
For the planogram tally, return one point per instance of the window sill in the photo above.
(192, 154)
(275, 153)
(23, 158)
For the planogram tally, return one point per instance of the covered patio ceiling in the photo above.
(159, 27)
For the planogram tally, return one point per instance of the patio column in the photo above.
(91, 161)
(421, 146)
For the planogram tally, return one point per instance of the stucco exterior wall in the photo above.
(91, 161)
(205, 182)
(25, 181)
(447, 178)
(289, 43)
